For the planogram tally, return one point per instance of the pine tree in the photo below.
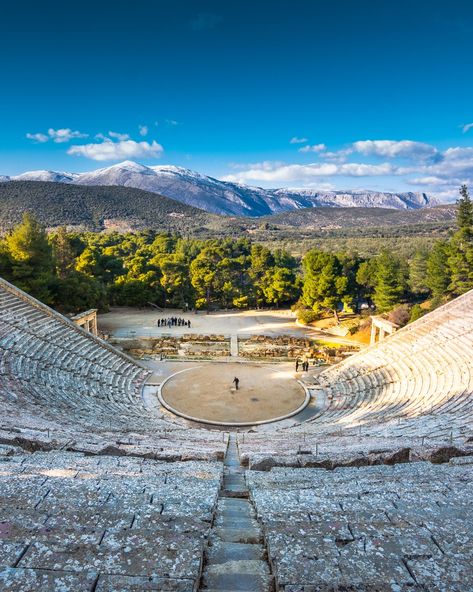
(465, 211)
(63, 253)
(390, 282)
(31, 258)
(418, 273)
(438, 271)
(324, 285)
(460, 260)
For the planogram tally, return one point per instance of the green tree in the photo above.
(279, 286)
(204, 275)
(176, 282)
(390, 281)
(460, 258)
(366, 277)
(418, 273)
(63, 253)
(438, 272)
(465, 210)
(324, 287)
(31, 258)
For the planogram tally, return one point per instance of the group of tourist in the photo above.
(173, 322)
(304, 364)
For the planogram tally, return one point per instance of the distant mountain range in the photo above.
(221, 197)
(126, 208)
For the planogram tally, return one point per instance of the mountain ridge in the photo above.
(100, 208)
(223, 197)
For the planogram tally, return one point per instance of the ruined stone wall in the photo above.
(179, 346)
(285, 347)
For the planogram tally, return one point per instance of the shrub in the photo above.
(307, 316)
(416, 313)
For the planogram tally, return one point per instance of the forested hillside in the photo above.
(96, 208)
(74, 270)
(125, 208)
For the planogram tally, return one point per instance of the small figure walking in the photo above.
(236, 382)
(297, 365)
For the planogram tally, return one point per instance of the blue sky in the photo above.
(372, 94)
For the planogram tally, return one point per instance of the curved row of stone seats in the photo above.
(405, 527)
(63, 387)
(413, 389)
(73, 522)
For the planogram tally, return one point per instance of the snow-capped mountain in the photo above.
(221, 197)
(46, 176)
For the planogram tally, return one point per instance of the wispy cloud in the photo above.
(205, 21)
(59, 136)
(118, 136)
(296, 140)
(467, 127)
(143, 129)
(395, 149)
(117, 150)
(313, 148)
(41, 138)
(306, 172)
(412, 163)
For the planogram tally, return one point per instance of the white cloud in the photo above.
(119, 150)
(296, 140)
(59, 136)
(313, 148)
(301, 173)
(118, 136)
(143, 129)
(427, 168)
(434, 181)
(171, 122)
(64, 135)
(467, 127)
(395, 149)
(41, 138)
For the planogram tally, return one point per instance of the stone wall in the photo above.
(285, 347)
(179, 346)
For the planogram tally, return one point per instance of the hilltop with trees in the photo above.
(78, 270)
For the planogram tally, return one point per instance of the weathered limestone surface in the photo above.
(404, 527)
(71, 522)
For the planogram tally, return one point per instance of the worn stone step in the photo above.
(238, 535)
(220, 552)
(238, 582)
(255, 567)
(234, 478)
(236, 513)
(235, 522)
(232, 462)
(234, 494)
(230, 503)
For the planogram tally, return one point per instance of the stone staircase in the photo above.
(236, 558)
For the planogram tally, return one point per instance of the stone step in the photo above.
(234, 485)
(237, 582)
(234, 494)
(233, 504)
(255, 567)
(233, 462)
(238, 535)
(237, 512)
(235, 522)
(220, 552)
